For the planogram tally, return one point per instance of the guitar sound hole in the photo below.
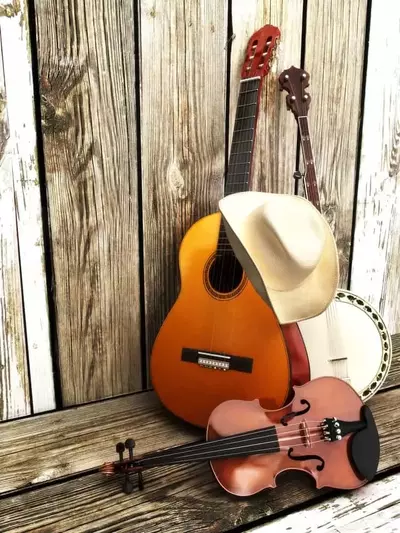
(225, 273)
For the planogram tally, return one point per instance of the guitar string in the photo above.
(250, 108)
(224, 254)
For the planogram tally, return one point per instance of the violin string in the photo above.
(224, 452)
(245, 436)
(216, 446)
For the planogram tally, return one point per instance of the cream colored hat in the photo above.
(287, 250)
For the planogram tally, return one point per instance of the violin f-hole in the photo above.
(307, 458)
(289, 416)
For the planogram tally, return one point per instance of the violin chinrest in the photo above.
(364, 448)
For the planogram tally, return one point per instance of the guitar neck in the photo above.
(240, 158)
(310, 178)
(239, 168)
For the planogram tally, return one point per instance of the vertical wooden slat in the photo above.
(183, 61)
(334, 55)
(14, 379)
(87, 83)
(21, 147)
(376, 253)
(276, 138)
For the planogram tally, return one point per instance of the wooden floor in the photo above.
(49, 483)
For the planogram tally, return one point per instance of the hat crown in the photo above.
(295, 233)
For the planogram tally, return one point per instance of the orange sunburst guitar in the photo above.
(220, 341)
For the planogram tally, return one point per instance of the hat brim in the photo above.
(311, 297)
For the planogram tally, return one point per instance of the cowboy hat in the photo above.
(287, 250)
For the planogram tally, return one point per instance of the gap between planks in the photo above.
(186, 498)
(79, 439)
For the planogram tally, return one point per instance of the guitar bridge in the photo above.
(217, 361)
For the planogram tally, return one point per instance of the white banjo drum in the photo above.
(349, 340)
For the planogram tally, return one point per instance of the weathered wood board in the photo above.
(19, 207)
(21, 151)
(334, 56)
(274, 159)
(183, 86)
(376, 251)
(87, 83)
(82, 438)
(185, 498)
(375, 506)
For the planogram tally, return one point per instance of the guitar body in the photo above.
(215, 346)
(349, 341)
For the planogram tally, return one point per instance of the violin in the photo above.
(325, 431)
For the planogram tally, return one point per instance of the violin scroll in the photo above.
(127, 467)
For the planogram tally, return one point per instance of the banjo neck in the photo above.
(310, 177)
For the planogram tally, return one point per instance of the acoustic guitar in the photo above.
(220, 340)
(349, 340)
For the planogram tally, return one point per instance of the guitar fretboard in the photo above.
(239, 167)
(310, 178)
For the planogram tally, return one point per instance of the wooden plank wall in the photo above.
(183, 65)
(136, 111)
(24, 321)
(376, 252)
(87, 83)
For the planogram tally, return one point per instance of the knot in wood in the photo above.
(176, 181)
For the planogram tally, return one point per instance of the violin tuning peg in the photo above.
(120, 447)
(140, 481)
(128, 485)
(129, 445)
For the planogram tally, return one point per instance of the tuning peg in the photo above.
(128, 485)
(140, 481)
(129, 445)
(120, 447)
(297, 175)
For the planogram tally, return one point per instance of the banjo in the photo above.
(349, 340)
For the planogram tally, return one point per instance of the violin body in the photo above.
(325, 431)
(244, 476)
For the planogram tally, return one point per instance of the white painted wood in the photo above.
(376, 252)
(22, 177)
(376, 505)
(14, 387)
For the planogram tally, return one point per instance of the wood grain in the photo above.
(21, 147)
(14, 379)
(183, 498)
(335, 36)
(274, 157)
(87, 83)
(183, 86)
(377, 505)
(80, 439)
(376, 251)
(393, 378)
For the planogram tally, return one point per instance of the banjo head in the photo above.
(349, 341)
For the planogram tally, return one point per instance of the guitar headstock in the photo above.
(260, 52)
(295, 81)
